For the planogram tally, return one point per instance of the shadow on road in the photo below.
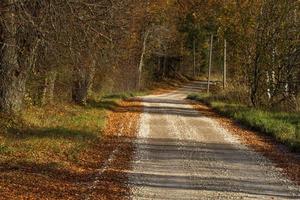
(163, 165)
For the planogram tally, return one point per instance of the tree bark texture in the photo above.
(48, 88)
(12, 75)
(83, 80)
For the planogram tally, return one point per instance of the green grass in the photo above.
(55, 133)
(5, 149)
(284, 127)
(124, 95)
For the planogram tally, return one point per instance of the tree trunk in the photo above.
(210, 63)
(12, 76)
(194, 58)
(164, 66)
(83, 80)
(255, 83)
(48, 89)
(141, 64)
(225, 65)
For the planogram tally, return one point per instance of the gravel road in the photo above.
(181, 154)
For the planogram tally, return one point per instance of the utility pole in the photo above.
(141, 64)
(194, 54)
(225, 64)
(210, 62)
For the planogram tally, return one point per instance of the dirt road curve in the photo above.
(181, 154)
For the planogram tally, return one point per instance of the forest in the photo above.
(67, 50)
(65, 63)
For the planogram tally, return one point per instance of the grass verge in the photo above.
(56, 135)
(284, 127)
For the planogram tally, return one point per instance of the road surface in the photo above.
(182, 154)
